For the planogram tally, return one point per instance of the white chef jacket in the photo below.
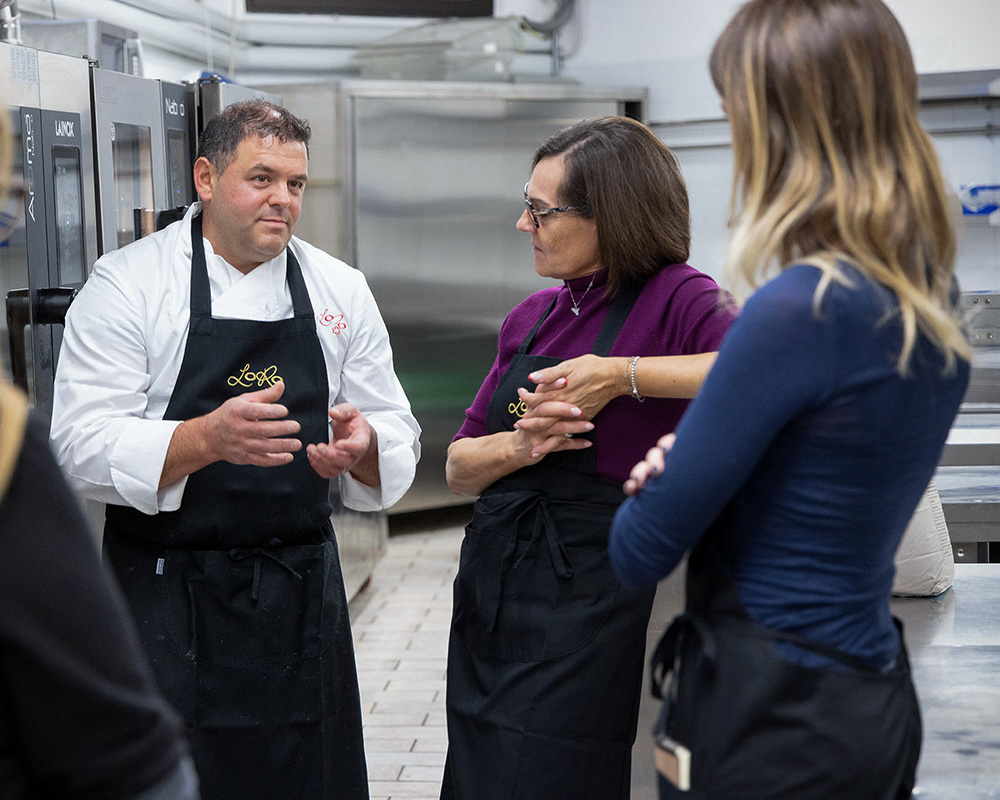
(124, 343)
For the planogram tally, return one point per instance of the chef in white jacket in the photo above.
(213, 378)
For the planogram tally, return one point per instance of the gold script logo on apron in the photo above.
(518, 409)
(249, 379)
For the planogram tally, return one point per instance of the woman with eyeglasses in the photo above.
(796, 469)
(546, 652)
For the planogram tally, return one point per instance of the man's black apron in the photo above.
(546, 648)
(760, 727)
(238, 595)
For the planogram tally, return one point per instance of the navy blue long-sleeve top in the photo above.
(811, 452)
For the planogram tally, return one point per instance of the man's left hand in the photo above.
(353, 447)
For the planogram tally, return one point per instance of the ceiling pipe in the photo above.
(284, 45)
(10, 22)
(558, 19)
(551, 28)
(152, 18)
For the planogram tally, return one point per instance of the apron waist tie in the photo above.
(544, 525)
(667, 653)
(241, 553)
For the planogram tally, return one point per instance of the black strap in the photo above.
(526, 342)
(664, 658)
(621, 307)
(821, 648)
(690, 625)
(201, 295)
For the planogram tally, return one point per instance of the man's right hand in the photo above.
(250, 428)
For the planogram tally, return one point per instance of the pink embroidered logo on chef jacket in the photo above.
(335, 322)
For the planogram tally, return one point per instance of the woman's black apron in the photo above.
(760, 727)
(238, 595)
(546, 651)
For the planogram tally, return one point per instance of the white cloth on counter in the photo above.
(925, 563)
(124, 343)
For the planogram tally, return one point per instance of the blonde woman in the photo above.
(795, 471)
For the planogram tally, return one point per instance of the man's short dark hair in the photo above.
(258, 119)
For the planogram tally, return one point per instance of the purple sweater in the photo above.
(680, 312)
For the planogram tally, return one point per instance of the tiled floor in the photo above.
(400, 625)
(401, 637)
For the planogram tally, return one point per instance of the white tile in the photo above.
(425, 774)
(403, 721)
(428, 744)
(401, 643)
(436, 719)
(376, 744)
(405, 682)
(385, 772)
(409, 791)
(402, 702)
(406, 759)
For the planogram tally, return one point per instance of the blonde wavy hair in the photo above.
(831, 161)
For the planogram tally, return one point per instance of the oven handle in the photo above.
(18, 320)
(51, 306)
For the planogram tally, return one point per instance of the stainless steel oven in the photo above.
(51, 252)
(178, 108)
(131, 169)
(215, 94)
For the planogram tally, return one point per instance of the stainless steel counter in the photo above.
(954, 643)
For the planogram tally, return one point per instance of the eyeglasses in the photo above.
(12, 210)
(535, 213)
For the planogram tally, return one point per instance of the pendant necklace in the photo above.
(576, 306)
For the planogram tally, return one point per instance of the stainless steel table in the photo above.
(954, 643)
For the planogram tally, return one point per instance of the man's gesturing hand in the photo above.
(252, 428)
(247, 429)
(353, 447)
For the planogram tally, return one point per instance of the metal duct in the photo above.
(559, 18)
(276, 44)
(10, 22)
(153, 20)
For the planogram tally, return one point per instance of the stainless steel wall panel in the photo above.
(419, 185)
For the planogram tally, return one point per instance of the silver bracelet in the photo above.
(631, 377)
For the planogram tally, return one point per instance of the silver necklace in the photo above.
(576, 306)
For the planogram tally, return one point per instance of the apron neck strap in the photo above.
(526, 343)
(201, 294)
(620, 308)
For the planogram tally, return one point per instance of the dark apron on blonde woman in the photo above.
(759, 727)
(546, 648)
(238, 595)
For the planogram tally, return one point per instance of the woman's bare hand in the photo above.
(549, 426)
(652, 465)
(588, 382)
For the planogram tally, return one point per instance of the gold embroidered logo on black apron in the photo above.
(266, 377)
(518, 409)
